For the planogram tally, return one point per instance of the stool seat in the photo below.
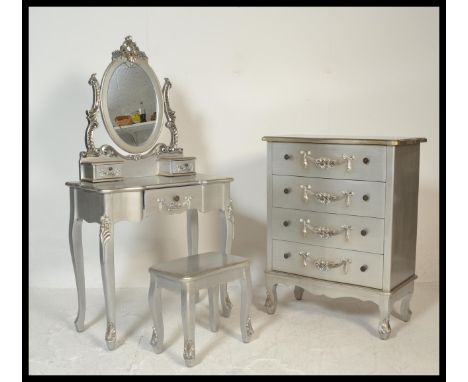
(196, 266)
(188, 275)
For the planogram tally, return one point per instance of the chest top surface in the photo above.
(346, 140)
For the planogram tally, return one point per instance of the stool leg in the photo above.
(226, 220)
(213, 295)
(188, 320)
(192, 236)
(246, 300)
(155, 303)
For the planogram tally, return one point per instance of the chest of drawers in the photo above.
(342, 219)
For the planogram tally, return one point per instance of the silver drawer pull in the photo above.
(174, 207)
(326, 197)
(324, 232)
(186, 167)
(324, 265)
(108, 171)
(324, 162)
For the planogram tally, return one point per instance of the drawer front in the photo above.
(362, 268)
(330, 195)
(173, 200)
(329, 230)
(359, 162)
(183, 167)
(108, 171)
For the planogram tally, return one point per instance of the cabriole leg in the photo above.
(385, 307)
(106, 249)
(155, 303)
(76, 250)
(226, 218)
(188, 321)
(246, 301)
(271, 299)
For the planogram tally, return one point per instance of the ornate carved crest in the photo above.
(129, 50)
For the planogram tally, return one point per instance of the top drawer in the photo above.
(359, 162)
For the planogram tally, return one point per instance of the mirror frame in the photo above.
(129, 54)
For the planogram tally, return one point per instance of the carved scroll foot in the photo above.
(156, 342)
(385, 307)
(298, 292)
(111, 336)
(248, 331)
(384, 329)
(226, 302)
(271, 300)
(189, 353)
(405, 311)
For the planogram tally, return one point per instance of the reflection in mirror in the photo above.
(132, 103)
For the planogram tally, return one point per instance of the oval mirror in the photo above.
(132, 105)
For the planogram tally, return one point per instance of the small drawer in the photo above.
(329, 230)
(359, 162)
(176, 166)
(349, 197)
(174, 200)
(357, 268)
(108, 171)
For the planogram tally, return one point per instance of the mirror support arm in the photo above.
(91, 116)
(170, 122)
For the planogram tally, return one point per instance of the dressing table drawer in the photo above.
(174, 200)
(358, 268)
(360, 162)
(328, 230)
(330, 195)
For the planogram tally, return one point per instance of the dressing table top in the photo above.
(148, 183)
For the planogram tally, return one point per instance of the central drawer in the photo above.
(327, 264)
(329, 230)
(330, 195)
(173, 200)
(359, 162)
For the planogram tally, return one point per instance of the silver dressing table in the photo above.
(149, 178)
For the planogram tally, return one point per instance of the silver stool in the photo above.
(188, 275)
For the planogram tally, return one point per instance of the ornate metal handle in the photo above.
(186, 167)
(324, 162)
(174, 207)
(324, 232)
(324, 265)
(108, 171)
(326, 197)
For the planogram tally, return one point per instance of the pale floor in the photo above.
(317, 335)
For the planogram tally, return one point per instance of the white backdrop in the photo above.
(237, 74)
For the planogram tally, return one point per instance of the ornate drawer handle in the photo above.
(326, 197)
(324, 162)
(174, 207)
(324, 232)
(186, 167)
(108, 171)
(324, 265)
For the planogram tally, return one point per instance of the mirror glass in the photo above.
(132, 104)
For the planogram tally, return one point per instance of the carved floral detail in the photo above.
(189, 350)
(104, 231)
(91, 116)
(249, 328)
(129, 50)
(110, 332)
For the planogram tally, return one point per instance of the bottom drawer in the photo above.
(351, 267)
